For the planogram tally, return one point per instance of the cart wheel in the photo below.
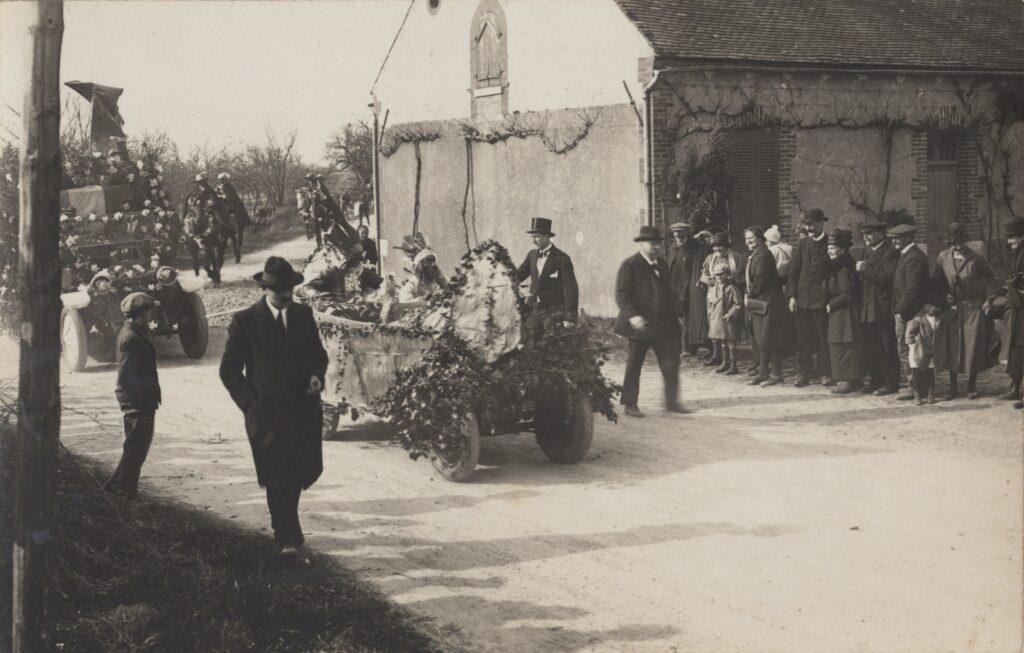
(565, 438)
(194, 330)
(459, 466)
(73, 340)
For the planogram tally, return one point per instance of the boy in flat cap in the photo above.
(137, 391)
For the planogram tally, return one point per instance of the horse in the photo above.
(307, 209)
(207, 228)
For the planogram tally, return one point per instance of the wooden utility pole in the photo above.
(375, 107)
(39, 283)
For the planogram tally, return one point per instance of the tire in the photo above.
(565, 438)
(74, 341)
(459, 470)
(194, 330)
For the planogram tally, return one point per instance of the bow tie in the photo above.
(541, 255)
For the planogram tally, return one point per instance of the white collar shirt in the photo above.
(818, 238)
(543, 253)
(274, 311)
(906, 249)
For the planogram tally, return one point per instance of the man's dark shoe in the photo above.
(828, 381)
(883, 391)
(753, 371)
(633, 411)
(802, 382)
(906, 395)
(774, 380)
(757, 380)
(1018, 404)
(711, 362)
(1011, 394)
(676, 407)
(843, 388)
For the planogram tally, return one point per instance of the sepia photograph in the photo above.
(511, 326)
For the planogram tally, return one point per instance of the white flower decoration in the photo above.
(118, 215)
(154, 183)
(145, 211)
(131, 176)
(64, 218)
(140, 164)
(158, 167)
(138, 268)
(158, 226)
(118, 268)
(104, 219)
(147, 203)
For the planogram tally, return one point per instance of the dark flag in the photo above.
(106, 119)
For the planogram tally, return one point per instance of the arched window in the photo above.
(489, 61)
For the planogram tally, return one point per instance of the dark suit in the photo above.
(808, 284)
(267, 371)
(239, 216)
(553, 289)
(844, 307)
(138, 394)
(644, 290)
(370, 251)
(909, 286)
(879, 349)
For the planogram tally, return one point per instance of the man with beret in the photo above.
(239, 214)
(554, 293)
(1013, 291)
(910, 285)
(878, 328)
(137, 391)
(273, 367)
(649, 318)
(807, 289)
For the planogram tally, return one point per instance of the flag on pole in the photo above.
(107, 122)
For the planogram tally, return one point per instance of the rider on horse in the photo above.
(236, 208)
(205, 227)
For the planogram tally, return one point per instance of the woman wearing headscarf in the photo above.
(843, 308)
(969, 282)
(766, 305)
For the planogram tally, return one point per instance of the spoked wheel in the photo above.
(74, 340)
(565, 428)
(458, 462)
(193, 329)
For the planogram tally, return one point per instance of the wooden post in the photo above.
(39, 279)
(377, 135)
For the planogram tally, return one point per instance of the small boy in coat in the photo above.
(928, 337)
(137, 391)
(725, 317)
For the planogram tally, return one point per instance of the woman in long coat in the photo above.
(766, 305)
(843, 310)
(969, 282)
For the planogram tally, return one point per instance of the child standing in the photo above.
(725, 317)
(929, 339)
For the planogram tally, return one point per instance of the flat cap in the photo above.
(901, 230)
(136, 302)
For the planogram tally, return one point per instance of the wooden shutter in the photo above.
(754, 163)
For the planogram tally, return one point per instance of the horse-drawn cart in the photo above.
(365, 361)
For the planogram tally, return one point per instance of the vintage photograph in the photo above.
(511, 326)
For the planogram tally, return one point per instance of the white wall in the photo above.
(562, 54)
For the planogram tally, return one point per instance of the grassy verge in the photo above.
(157, 576)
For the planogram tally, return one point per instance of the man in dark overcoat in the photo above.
(273, 366)
(911, 283)
(137, 391)
(649, 318)
(807, 291)
(878, 328)
(1013, 291)
(554, 293)
(239, 214)
(680, 273)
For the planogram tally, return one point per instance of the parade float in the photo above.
(449, 367)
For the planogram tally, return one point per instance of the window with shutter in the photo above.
(488, 49)
(754, 192)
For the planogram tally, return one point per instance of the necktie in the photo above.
(280, 321)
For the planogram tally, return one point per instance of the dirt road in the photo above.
(771, 519)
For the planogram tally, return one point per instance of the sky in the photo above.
(216, 73)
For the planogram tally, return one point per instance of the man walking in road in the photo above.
(554, 293)
(878, 328)
(909, 288)
(273, 366)
(808, 281)
(239, 214)
(649, 318)
(137, 391)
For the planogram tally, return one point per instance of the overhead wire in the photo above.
(392, 46)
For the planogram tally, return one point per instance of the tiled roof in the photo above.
(960, 34)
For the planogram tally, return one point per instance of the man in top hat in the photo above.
(273, 367)
(879, 349)
(554, 294)
(649, 318)
(137, 391)
(807, 290)
(910, 285)
(239, 214)
(1013, 291)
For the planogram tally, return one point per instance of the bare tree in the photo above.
(274, 168)
(350, 150)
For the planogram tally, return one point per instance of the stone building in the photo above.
(607, 114)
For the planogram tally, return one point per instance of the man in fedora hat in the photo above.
(649, 318)
(910, 284)
(137, 391)
(807, 290)
(553, 292)
(879, 349)
(273, 367)
(239, 214)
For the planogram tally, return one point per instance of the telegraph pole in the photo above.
(39, 284)
(375, 107)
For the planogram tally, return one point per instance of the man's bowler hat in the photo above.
(841, 238)
(1015, 227)
(815, 215)
(540, 226)
(648, 233)
(278, 274)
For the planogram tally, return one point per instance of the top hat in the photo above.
(1015, 227)
(540, 226)
(814, 215)
(648, 233)
(136, 302)
(278, 273)
(956, 233)
(679, 226)
(720, 239)
(841, 238)
(901, 230)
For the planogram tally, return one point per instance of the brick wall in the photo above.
(919, 184)
(787, 150)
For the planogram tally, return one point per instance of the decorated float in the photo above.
(443, 361)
